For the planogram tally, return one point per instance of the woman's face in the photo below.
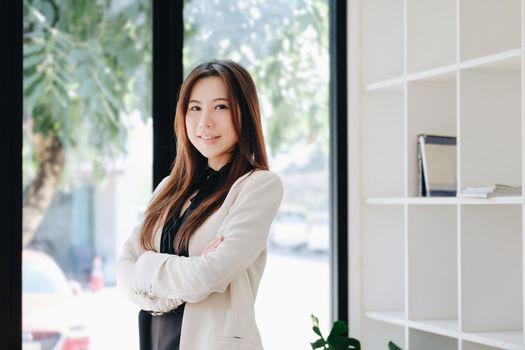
(209, 122)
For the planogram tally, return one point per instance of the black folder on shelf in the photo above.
(437, 166)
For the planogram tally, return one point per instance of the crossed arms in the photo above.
(161, 282)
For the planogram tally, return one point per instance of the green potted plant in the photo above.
(338, 338)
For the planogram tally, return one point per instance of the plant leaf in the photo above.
(315, 320)
(31, 48)
(36, 93)
(317, 331)
(344, 343)
(32, 60)
(319, 343)
(355, 344)
(392, 346)
(29, 80)
(340, 328)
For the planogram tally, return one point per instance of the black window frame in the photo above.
(168, 28)
(339, 268)
(11, 154)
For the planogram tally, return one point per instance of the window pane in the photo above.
(284, 45)
(87, 142)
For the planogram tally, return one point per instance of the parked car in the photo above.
(289, 229)
(51, 318)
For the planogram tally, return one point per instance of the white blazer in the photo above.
(220, 287)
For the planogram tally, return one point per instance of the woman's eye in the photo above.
(195, 108)
(221, 107)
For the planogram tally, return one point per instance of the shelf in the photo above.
(385, 200)
(432, 200)
(422, 340)
(396, 317)
(507, 60)
(510, 340)
(377, 333)
(468, 345)
(448, 328)
(453, 266)
(491, 201)
(446, 73)
(390, 84)
(443, 200)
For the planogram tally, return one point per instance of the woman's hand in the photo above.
(156, 305)
(213, 244)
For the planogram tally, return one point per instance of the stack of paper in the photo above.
(491, 191)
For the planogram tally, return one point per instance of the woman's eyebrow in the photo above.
(215, 99)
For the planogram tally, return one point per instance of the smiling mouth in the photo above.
(208, 138)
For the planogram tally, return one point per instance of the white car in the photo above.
(50, 315)
(289, 230)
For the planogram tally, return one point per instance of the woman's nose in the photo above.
(205, 120)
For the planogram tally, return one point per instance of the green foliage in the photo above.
(392, 346)
(86, 67)
(338, 338)
(284, 44)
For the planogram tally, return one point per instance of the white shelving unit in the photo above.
(441, 273)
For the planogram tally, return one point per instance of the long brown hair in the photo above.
(247, 155)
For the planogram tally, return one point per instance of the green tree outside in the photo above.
(87, 66)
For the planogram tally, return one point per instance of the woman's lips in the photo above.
(209, 139)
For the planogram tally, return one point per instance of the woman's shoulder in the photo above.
(253, 178)
(260, 177)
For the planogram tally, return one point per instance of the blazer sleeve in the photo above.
(130, 253)
(245, 230)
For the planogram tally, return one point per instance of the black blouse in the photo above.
(163, 332)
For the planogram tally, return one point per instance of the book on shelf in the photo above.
(497, 190)
(436, 165)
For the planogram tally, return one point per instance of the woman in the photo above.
(194, 263)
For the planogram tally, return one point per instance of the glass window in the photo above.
(284, 45)
(87, 140)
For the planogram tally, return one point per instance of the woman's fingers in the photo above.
(213, 244)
